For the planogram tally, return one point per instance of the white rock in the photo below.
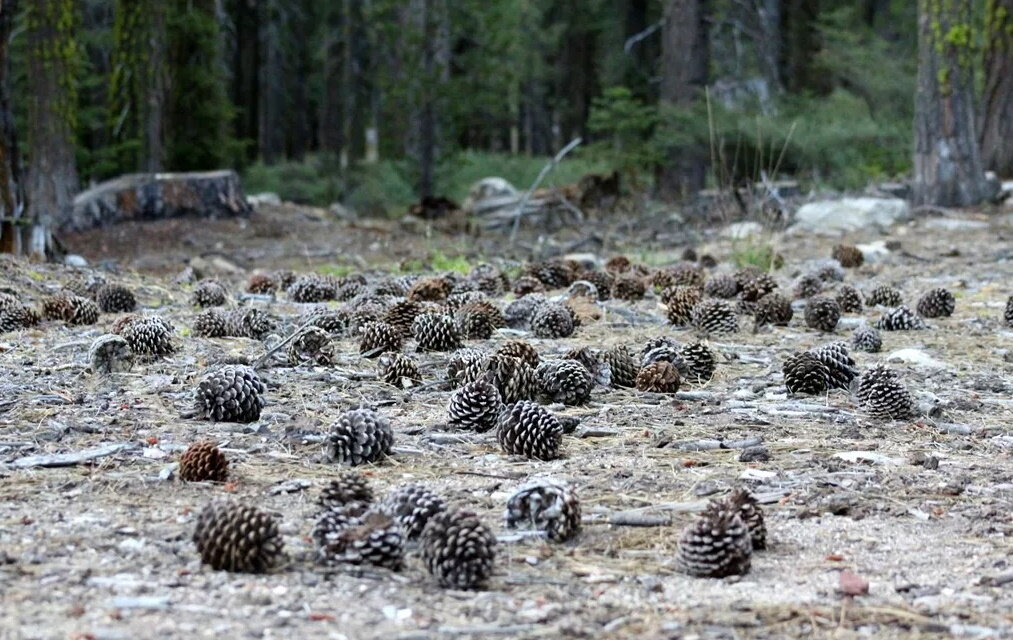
(74, 260)
(742, 230)
(955, 224)
(850, 214)
(492, 187)
(916, 357)
(259, 199)
(341, 212)
(867, 456)
(874, 251)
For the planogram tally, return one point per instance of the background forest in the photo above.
(376, 102)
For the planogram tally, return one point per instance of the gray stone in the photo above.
(742, 230)
(850, 214)
(74, 260)
(259, 199)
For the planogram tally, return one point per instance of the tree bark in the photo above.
(246, 59)
(997, 97)
(11, 196)
(947, 163)
(53, 64)
(336, 75)
(800, 43)
(685, 63)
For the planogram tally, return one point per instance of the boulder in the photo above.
(850, 214)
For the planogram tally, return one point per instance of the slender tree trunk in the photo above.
(52, 67)
(299, 109)
(11, 197)
(334, 104)
(434, 68)
(800, 42)
(271, 127)
(685, 62)
(246, 59)
(947, 164)
(997, 97)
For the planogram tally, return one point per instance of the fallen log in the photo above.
(156, 196)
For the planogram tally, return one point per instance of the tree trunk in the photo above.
(432, 19)
(246, 58)
(336, 76)
(685, 62)
(947, 164)
(271, 128)
(52, 67)
(11, 197)
(800, 42)
(997, 97)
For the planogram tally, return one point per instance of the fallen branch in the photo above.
(295, 333)
(69, 459)
(534, 185)
(635, 519)
(708, 445)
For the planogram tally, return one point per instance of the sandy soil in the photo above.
(102, 550)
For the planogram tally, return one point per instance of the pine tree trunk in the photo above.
(997, 97)
(685, 62)
(947, 164)
(336, 73)
(800, 43)
(11, 197)
(52, 101)
(246, 58)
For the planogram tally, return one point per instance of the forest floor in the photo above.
(922, 510)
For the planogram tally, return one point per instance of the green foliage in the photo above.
(312, 181)
(379, 189)
(755, 252)
(625, 124)
(337, 270)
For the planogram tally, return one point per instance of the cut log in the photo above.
(155, 196)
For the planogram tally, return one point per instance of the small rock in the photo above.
(917, 358)
(742, 230)
(341, 212)
(852, 584)
(74, 260)
(755, 454)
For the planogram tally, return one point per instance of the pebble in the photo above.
(755, 454)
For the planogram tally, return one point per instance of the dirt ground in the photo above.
(102, 550)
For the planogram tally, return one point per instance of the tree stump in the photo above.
(156, 196)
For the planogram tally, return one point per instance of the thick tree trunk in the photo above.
(11, 197)
(947, 164)
(685, 63)
(997, 97)
(52, 67)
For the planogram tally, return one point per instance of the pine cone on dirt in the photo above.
(203, 462)
(261, 283)
(565, 381)
(15, 316)
(401, 315)
(460, 360)
(884, 295)
(458, 549)
(700, 360)
(149, 336)
(848, 255)
(526, 429)
(475, 406)
(805, 373)
(841, 368)
(628, 287)
(311, 288)
(866, 338)
(436, 332)
(312, 346)
(717, 545)
(623, 366)
(109, 353)
(412, 505)
(208, 293)
(251, 323)
(359, 436)
(332, 321)
(936, 303)
(85, 284)
(429, 290)
(721, 286)
(900, 319)
(1008, 315)
(211, 323)
(808, 286)
(715, 316)
(822, 313)
(72, 309)
(374, 538)
(378, 338)
(554, 274)
(400, 370)
(754, 285)
(773, 308)
(849, 299)
(235, 537)
(603, 282)
(680, 303)
(512, 377)
(527, 284)
(884, 396)
(115, 298)
(545, 505)
(659, 377)
(231, 393)
(745, 504)
(520, 349)
(552, 320)
(349, 488)
(518, 313)
(478, 320)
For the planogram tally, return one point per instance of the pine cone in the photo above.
(114, 298)
(1008, 315)
(936, 303)
(512, 377)
(885, 397)
(822, 313)
(717, 545)
(805, 373)
(518, 313)
(378, 338)
(545, 505)
(260, 283)
(150, 335)
(721, 286)
(526, 429)
(554, 274)
(332, 321)
(203, 462)
(603, 282)
(624, 367)
(808, 286)
(659, 377)
(349, 488)
(684, 274)
(234, 537)
(401, 315)
(755, 285)
(455, 301)
(628, 288)
(663, 349)
(884, 295)
(15, 316)
(208, 293)
(374, 538)
(900, 319)
(566, 381)
(527, 284)
(849, 299)
(520, 349)
(436, 332)
(459, 361)
(872, 377)
(848, 255)
(412, 505)
(429, 290)
(618, 264)
(311, 288)
(109, 353)
(715, 316)
(475, 406)
(552, 320)
(866, 338)
(681, 301)
(458, 549)
(312, 346)
(773, 308)
(232, 393)
(477, 320)
(700, 361)
(840, 366)
(400, 370)
(284, 278)
(360, 313)
(85, 284)
(211, 323)
(359, 436)
(251, 323)
(745, 504)
(490, 279)
(585, 356)
(72, 309)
